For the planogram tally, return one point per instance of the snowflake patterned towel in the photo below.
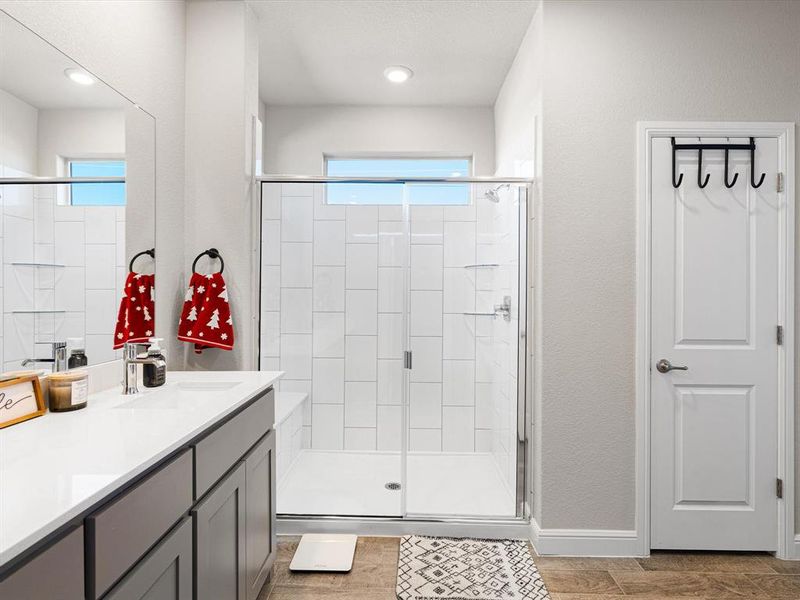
(206, 316)
(136, 318)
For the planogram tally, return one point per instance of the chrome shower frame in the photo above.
(294, 523)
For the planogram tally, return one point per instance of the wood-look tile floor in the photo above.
(663, 576)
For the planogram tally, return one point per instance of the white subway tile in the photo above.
(70, 284)
(426, 267)
(459, 244)
(19, 286)
(390, 335)
(270, 334)
(359, 438)
(294, 190)
(390, 381)
(100, 266)
(362, 224)
(427, 352)
(324, 211)
(270, 288)
(458, 382)
(362, 312)
(459, 336)
(390, 212)
(483, 440)
(425, 440)
(329, 334)
(425, 405)
(100, 348)
(458, 429)
(296, 265)
(359, 404)
(329, 289)
(329, 246)
(18, 240)
(459, 290)
(427, 224)
(297, 219)
(296, 356)
(328, 381)
(100, 224)
(483, 406)
(426, 313)
(327, 432)
(361, 271)
(390, 289)
(271, 243)
(389, 428)
(101, 313)
(392, 244)
(296, 310)
(122, 258)
(361, 357)
(270, 201)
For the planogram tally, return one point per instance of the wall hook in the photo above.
(675, 184)
(753, 166)
(735, 175)
(700, 183)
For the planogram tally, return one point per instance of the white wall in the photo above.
(137, 48)
(606, 66)
(297, 137)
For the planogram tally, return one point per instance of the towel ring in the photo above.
(211, 253)
(151, 253)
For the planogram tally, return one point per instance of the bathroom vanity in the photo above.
(165, 495)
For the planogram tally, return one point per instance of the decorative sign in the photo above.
(20, 399)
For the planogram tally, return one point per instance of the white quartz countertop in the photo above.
(54, 467)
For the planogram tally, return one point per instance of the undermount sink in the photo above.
(207, 386)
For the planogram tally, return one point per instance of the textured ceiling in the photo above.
(33, 71)
(334, 51)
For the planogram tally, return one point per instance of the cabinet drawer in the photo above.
(217, 452)
(121, 532)
(56, 573)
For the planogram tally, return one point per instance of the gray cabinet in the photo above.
(219, 527)
(56, 573)
(260, 513)
(165, 573)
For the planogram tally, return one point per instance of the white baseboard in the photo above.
(796, 548)
(584, 542)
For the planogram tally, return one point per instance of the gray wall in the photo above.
(606, 66)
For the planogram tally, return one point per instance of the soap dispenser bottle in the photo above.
(77, 353)
(154, 372)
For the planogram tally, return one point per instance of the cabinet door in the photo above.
(260, 513)
(219, 526)
(165, 573)
(56, 573)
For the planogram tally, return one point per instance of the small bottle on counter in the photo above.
(77, 353)
(155, 373)
(68, 390)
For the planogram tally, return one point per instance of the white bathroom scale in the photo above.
(324, 552)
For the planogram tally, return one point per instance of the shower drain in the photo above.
(392, 485)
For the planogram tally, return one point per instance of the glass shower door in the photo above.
(464, 274)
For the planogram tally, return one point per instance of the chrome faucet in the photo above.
(130, 359)
(58, 359)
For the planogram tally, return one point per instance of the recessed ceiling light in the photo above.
(79, 77)
(398, 73)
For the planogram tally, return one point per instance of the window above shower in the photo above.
(451, 194)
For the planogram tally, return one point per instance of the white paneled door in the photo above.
(715, 283)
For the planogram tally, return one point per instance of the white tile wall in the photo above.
(90, 241)
(333, 319)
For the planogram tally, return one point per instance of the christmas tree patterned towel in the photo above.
(136, 317)
(206, 315)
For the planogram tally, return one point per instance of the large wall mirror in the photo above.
(77, 183)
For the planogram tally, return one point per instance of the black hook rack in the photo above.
(700, 147)
(211, 253)
(151, 253)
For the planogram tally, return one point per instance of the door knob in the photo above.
(664, 366)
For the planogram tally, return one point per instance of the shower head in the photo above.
(494, 193)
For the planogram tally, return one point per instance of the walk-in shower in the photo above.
(397, 309)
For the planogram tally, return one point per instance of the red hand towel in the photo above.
(206, 316)
(136, 318)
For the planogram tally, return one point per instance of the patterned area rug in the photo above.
(437, 568)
